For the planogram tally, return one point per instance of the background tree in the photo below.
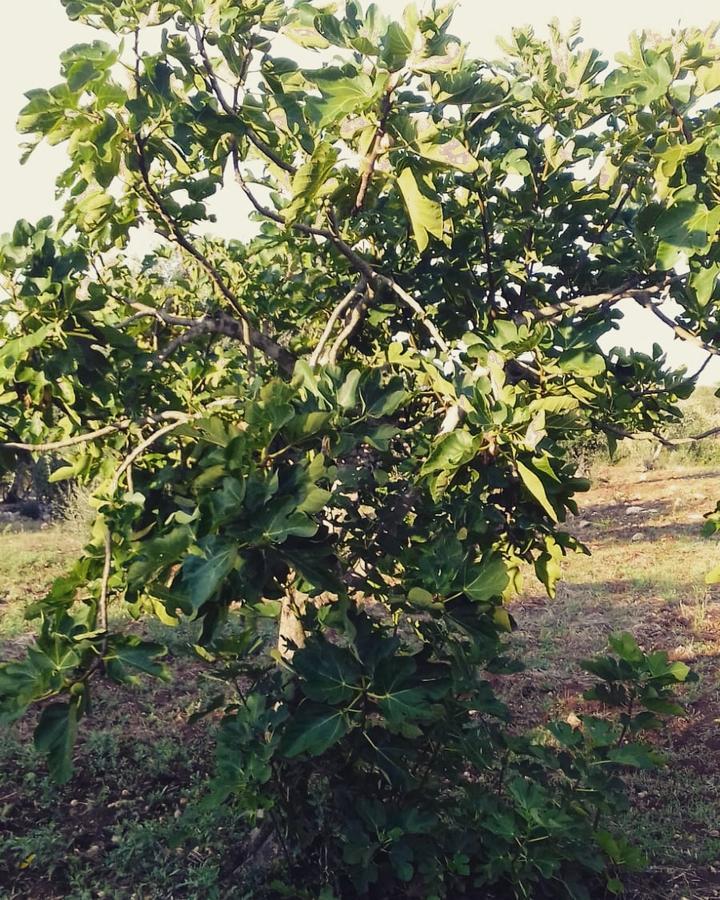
(337, 444)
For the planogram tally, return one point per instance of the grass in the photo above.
(29, 562)
(135, 822)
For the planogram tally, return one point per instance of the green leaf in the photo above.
(14, 352)
(402, 692)
(158, 554)
(450, 152)
(583, 363)
(663, 707)
(489, 579)
(342, 96)
(626, 647)
(300, 27)
(348, 391)
(646, 83)
(313, 729)
(548, 565)
(144, 656)
(203, 575)
(687, 227)
(330, 674)
(92, 210)
(423, 206)
(634, 755)
(396, 47)
(55, 735)
(533, 483)
(450, 452)
(703, 282)
(310, 180)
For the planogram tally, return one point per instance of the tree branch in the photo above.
(122, 425)
(252, 336)
(102, 616)
(680, 331)
(371, 158)
(413, 304)
(219, 324)
(364, 268)
(140, 449)
(652, 436)
(488, 255)
(338, 310)
(253, 136)
(352, 323)
(591, 301)
(612, 218)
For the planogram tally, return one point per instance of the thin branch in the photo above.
(363, 267)
(141, 448)
(612, 218)
(413, 304)
(181, 419)
(338, 310)
(687, 134)
(151, 312)
(371, 158)
(102, 616)
(488, 255)
(691, 379)
(253, 136)
(220, 324)
(68, 442)
(680, 331)
(355, 259)
(352, 323)
(652, 436)
(253, 337)
(583, 304)
(121, 425)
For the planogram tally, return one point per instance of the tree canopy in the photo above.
(339, 441)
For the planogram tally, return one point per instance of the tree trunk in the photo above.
(22, 484)
(291, 634)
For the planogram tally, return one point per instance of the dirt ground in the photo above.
(646, 575)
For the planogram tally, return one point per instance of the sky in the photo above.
(36, 31)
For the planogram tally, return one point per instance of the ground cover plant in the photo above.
(334, 447)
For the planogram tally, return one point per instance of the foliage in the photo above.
(348, 430)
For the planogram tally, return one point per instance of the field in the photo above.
(127, 825)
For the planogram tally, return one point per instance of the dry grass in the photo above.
(31, 557)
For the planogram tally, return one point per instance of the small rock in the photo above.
(634, 510)
(637, 537)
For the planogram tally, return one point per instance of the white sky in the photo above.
(36, 31)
